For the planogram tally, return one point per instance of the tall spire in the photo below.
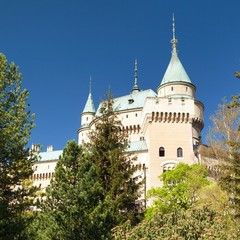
(90, 85)
(135, 87)
(175, 71)
(174, 41)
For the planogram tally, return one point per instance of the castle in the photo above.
(164, 127)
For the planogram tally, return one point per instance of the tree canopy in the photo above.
(117, 169)
(68, 211)
(16, 123)
(95, 186)
(180, 188)
(224, 138)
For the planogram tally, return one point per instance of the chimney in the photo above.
(35, 148)
(50, 148)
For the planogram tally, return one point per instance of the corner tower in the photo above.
(87, 117)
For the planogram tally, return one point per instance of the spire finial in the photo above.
(174, 40)
(135, 72)
(90, 85)
(135, 87)
(173, 25)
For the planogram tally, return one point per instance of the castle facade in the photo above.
(164, 126)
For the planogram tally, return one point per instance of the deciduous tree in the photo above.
(180, 188)
(224, 138)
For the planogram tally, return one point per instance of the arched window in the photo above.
(179, 152)
(161, 152)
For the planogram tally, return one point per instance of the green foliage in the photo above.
(213, 197)
(94, 187)
(69, 210)
(16, 124)
(180, 224)
(180, 188)
(115, 169)
(225, 141)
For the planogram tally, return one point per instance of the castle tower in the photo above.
(87, 117)
(173, 120)
(176, 82)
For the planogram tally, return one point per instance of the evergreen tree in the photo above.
(69, 208)
(116, 170)
(16, 124)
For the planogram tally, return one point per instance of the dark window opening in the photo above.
(179, 152)
(161, 152)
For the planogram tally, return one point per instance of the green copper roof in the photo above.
(137, 146)
(131, 101)
(52, 155)
(89, 106)
(175, 71)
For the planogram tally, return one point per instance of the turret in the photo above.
(89, 110)
(176, 82)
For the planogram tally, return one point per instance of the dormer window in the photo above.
(130, 100)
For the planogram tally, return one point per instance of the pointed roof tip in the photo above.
(135, 87)
(174, 41)
(90, 84)
(89, 106)
(175, 71)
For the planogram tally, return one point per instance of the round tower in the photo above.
(87, 117)
(176, 84)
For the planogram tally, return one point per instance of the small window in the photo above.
(186, 89)
(179, 152)
(171, 88)
(135, 114)
(161, 152)
(126, 116)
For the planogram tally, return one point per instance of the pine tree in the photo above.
(116, 170)
(69, 208)
(16, 124)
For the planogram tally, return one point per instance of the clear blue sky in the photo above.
(58, 44)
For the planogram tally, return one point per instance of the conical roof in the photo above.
(175, 71)
(89, 106)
